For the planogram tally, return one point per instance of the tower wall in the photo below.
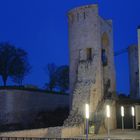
(92, 72)
(139, 57)
(108, 69)
(133, 68)
(84, 34)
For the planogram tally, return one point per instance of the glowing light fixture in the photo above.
(108, 116)
(122, 115)
(108, 111)
(133, 116)
(87, 117)
(132, 111)
(122, 111)
(87, 111)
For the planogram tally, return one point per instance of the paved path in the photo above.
(117, 134)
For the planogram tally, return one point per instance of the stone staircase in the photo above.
(99, 115)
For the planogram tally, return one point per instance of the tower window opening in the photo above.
(104, 57)
(84, 15)
(77, 16)
(89, 53)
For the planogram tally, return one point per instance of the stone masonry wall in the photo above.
(91, 81)
(51, 132)
(85, 61)
(18, 106)
(107, 45)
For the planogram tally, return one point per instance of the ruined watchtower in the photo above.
(92, 72)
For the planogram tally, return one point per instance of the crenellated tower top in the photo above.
(81, 13)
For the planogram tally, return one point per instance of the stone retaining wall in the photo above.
(18, 106)
(52, 132)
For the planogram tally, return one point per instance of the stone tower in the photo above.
(92, 72)
(133, 67)
(138, 30)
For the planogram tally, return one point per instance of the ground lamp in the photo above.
(122, 115)
(87, 118)
(133, 115)
(108, 116)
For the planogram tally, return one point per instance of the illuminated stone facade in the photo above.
(92, 72)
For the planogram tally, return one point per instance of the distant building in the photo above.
(139, 56)
(134, 71)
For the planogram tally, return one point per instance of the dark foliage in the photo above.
(51, 118)
(51, 71)
(58, 77)
(13, 63)
(42, 120)
(62, 79)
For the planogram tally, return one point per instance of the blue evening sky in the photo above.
(40, 27)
